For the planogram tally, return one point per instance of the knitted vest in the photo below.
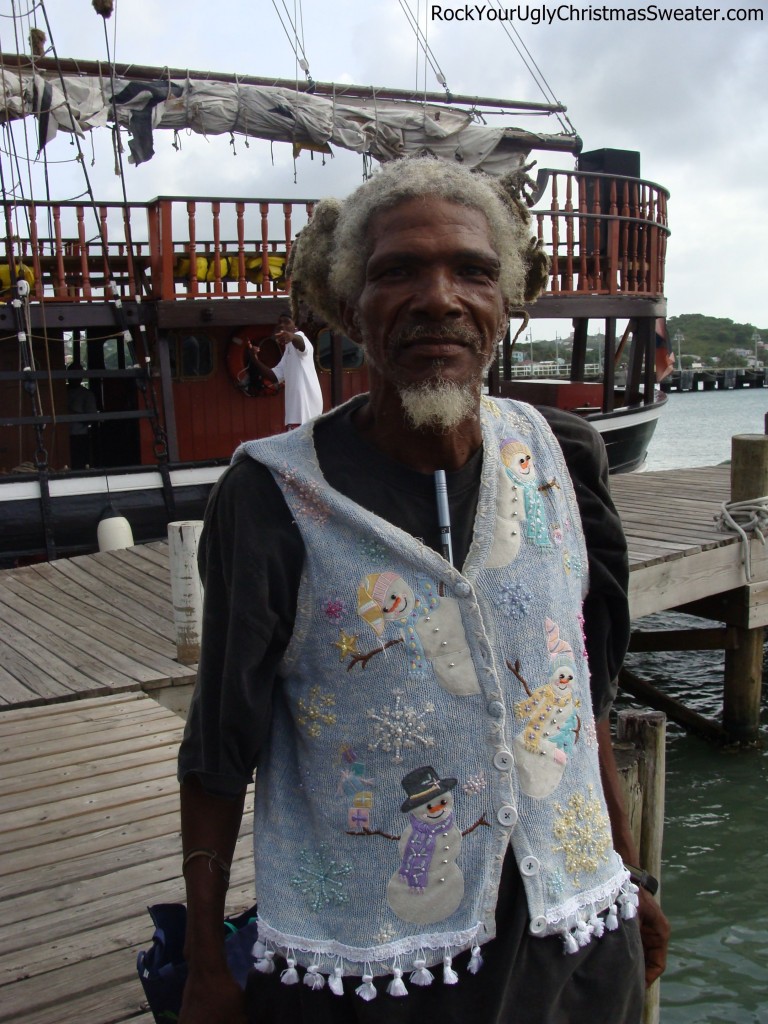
(427, 718)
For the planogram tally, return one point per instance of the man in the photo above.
(303, 397)
(353, 665)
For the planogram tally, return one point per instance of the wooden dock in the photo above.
(87, 752)
(88, 838)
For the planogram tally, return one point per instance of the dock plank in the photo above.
(74, 892)
(91, 631)
(46, 578)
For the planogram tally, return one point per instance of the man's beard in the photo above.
(438, 403)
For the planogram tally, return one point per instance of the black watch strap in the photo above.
(643, 878)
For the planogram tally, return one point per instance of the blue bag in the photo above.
(162, 968)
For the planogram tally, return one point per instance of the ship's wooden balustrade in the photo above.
(605, 234)
(167, 249)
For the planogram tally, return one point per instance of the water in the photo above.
(715, 858)
(696, 427)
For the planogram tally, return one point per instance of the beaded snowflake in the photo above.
(583, 832)
(398, 728)
(319, 877)
(515, 600)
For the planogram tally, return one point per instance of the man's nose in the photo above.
(437, 295)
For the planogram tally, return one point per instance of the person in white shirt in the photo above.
(303, 397)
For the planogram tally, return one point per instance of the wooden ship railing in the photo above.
(606, 236)
(70, 251)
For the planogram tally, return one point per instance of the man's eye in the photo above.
(478, 270)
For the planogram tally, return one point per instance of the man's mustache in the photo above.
(462, 334)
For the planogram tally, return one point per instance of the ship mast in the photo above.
(340, 91)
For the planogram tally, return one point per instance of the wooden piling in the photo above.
(186, 588)
(644, 785)
(743, 681)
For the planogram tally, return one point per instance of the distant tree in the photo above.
(731, 358)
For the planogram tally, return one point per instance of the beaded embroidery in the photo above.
(584, 834)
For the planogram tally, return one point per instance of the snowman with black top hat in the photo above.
(428, 886)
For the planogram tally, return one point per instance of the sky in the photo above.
(690, 96)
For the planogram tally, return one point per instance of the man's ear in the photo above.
(350, 320)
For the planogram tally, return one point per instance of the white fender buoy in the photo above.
(114, 531)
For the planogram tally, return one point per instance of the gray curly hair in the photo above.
(328, 259)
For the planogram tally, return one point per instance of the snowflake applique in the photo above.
(370, 549)
(312, 714)
(583, 832)
(475, 784)
(319, 877)
(515, 600)
(334, 608)
(308, 494)
(399, 728)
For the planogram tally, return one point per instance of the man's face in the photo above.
(431, 307)
(285, 325)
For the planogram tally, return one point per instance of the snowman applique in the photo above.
(428, 886)
(552, 724)
(430, 626)
(520, 510)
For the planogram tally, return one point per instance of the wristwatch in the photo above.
(643, 878)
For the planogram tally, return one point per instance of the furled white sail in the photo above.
(382, 128)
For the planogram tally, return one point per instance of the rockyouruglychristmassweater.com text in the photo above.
(545, 14)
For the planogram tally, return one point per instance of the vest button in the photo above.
(502, 760)
(529, 866)
(462, 589)
(507, 815)
(538, 925)
(496, 709)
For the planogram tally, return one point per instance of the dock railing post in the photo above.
(743, 682)
(186, 588)
(646, 731)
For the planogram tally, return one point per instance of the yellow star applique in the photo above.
(346, 643)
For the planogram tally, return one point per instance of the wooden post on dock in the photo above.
(643, 790)
(186, 588)
(744, 664)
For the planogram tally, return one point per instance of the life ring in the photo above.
(244, 377)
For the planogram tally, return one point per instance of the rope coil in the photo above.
(745, 517)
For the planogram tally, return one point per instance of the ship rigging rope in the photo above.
(535, 71)
(423, 44)
(145, 384)
(18, 17)
(296, 44)
(101, 230)
(745, 517)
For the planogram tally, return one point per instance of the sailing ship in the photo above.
(151, 303)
